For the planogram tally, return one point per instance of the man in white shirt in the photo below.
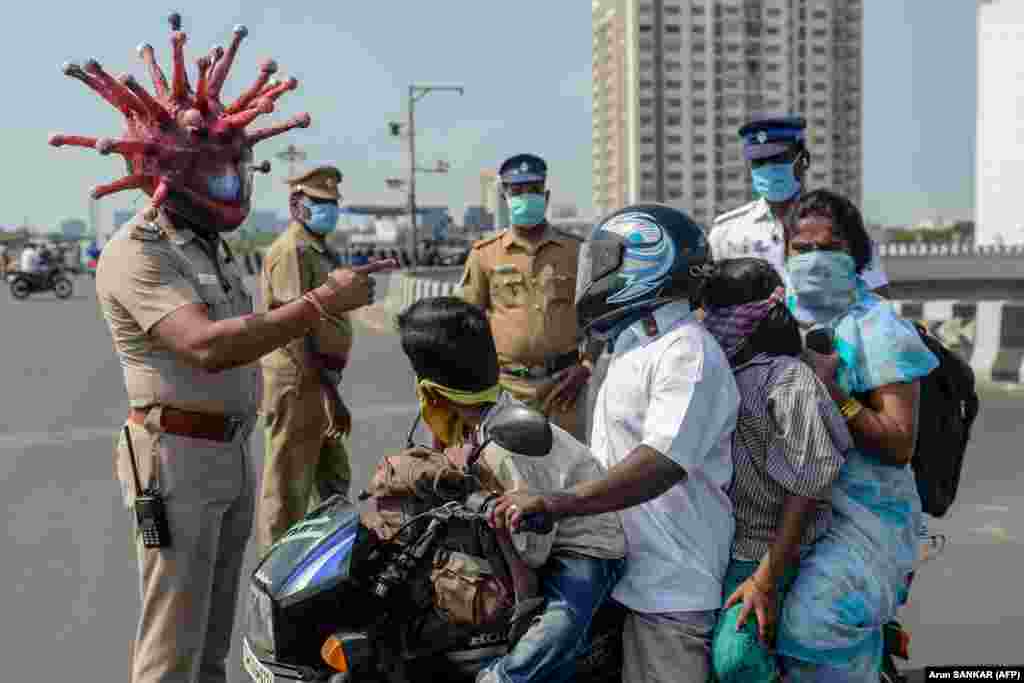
(29, 261)
(662, 424)
(778, 160)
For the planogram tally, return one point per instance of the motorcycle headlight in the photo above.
(261, 619)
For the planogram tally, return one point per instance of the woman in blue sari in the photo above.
(855, 579)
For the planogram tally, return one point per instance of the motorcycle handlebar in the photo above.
(479, 507)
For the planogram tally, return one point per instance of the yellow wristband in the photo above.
(850, 408)
(312, 297)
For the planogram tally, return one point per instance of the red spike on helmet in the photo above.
(177, 139)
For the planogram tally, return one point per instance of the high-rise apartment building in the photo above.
(675, 79)
(1000, 138)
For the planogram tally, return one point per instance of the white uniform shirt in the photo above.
(674, 393)
(752, 230)
(29, 262)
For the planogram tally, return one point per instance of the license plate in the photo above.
(256, 669)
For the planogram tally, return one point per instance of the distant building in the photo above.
(674, 80)
(478, 218)
(999, 155)
(430, 220)
(265, 221)
(491, 199)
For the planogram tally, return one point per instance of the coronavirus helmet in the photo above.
(183, 148)
(635, 260)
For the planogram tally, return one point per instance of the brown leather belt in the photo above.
(207, 426)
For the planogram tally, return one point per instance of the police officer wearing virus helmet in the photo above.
(183, 327)
(305, 417)
(662, 426)
(525, 278)
(775, 149)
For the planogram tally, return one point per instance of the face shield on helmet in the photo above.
(635, 260)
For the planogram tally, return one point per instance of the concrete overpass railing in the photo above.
(988, 334)
(986, 330)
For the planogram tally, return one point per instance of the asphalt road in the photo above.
(68, 586)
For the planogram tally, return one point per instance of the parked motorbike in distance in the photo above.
(22, 284)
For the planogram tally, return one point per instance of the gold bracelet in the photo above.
(850, 408)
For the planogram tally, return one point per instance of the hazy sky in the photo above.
(526, 70)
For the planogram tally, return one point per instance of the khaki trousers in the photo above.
(572, 420)
(189, 589)
(301, 465)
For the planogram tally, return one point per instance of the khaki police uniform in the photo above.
(528, 289)
(306, 457)
(190, 432)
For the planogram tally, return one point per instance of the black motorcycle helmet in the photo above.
(635, 260)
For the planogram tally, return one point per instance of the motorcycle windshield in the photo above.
(316, 552)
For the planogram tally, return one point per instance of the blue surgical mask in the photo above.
(527, 209)
(775, 182)
(323, 217)
(823, 285)
(224, 188)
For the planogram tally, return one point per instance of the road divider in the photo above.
(987, 334)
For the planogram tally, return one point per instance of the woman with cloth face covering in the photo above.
(854, 580)
(787, 450)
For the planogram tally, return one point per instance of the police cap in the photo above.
(523, 168)
(771, 135)
(318, 180)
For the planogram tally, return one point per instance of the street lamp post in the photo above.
(291, 154)
(417, 92)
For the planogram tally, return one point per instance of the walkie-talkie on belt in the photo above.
(150, 513)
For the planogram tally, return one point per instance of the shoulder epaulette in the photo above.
(147, 232)
(487, 240)
(739, 211)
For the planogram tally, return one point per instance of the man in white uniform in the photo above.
(662, 425)
(778, 159)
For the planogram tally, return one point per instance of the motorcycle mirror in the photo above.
(521, 430)
(415, 423)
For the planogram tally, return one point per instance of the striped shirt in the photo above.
(789, 439)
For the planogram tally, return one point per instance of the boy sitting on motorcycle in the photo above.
(452, 352)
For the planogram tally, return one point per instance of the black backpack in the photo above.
(949, 406)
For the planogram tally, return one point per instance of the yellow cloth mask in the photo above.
(446, 424)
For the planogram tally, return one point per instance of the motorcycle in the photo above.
(896, 638)
(329, 603)
(23, 283)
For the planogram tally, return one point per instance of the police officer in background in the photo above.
(778, 159)
(305, 417)
(525, 278)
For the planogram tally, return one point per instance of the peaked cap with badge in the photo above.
(320, 181)
(523, 168)
(768, 136)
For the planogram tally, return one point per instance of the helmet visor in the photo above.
(597, 259)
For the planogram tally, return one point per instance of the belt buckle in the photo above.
(233, 425)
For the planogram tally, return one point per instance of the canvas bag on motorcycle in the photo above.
(466, 588)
